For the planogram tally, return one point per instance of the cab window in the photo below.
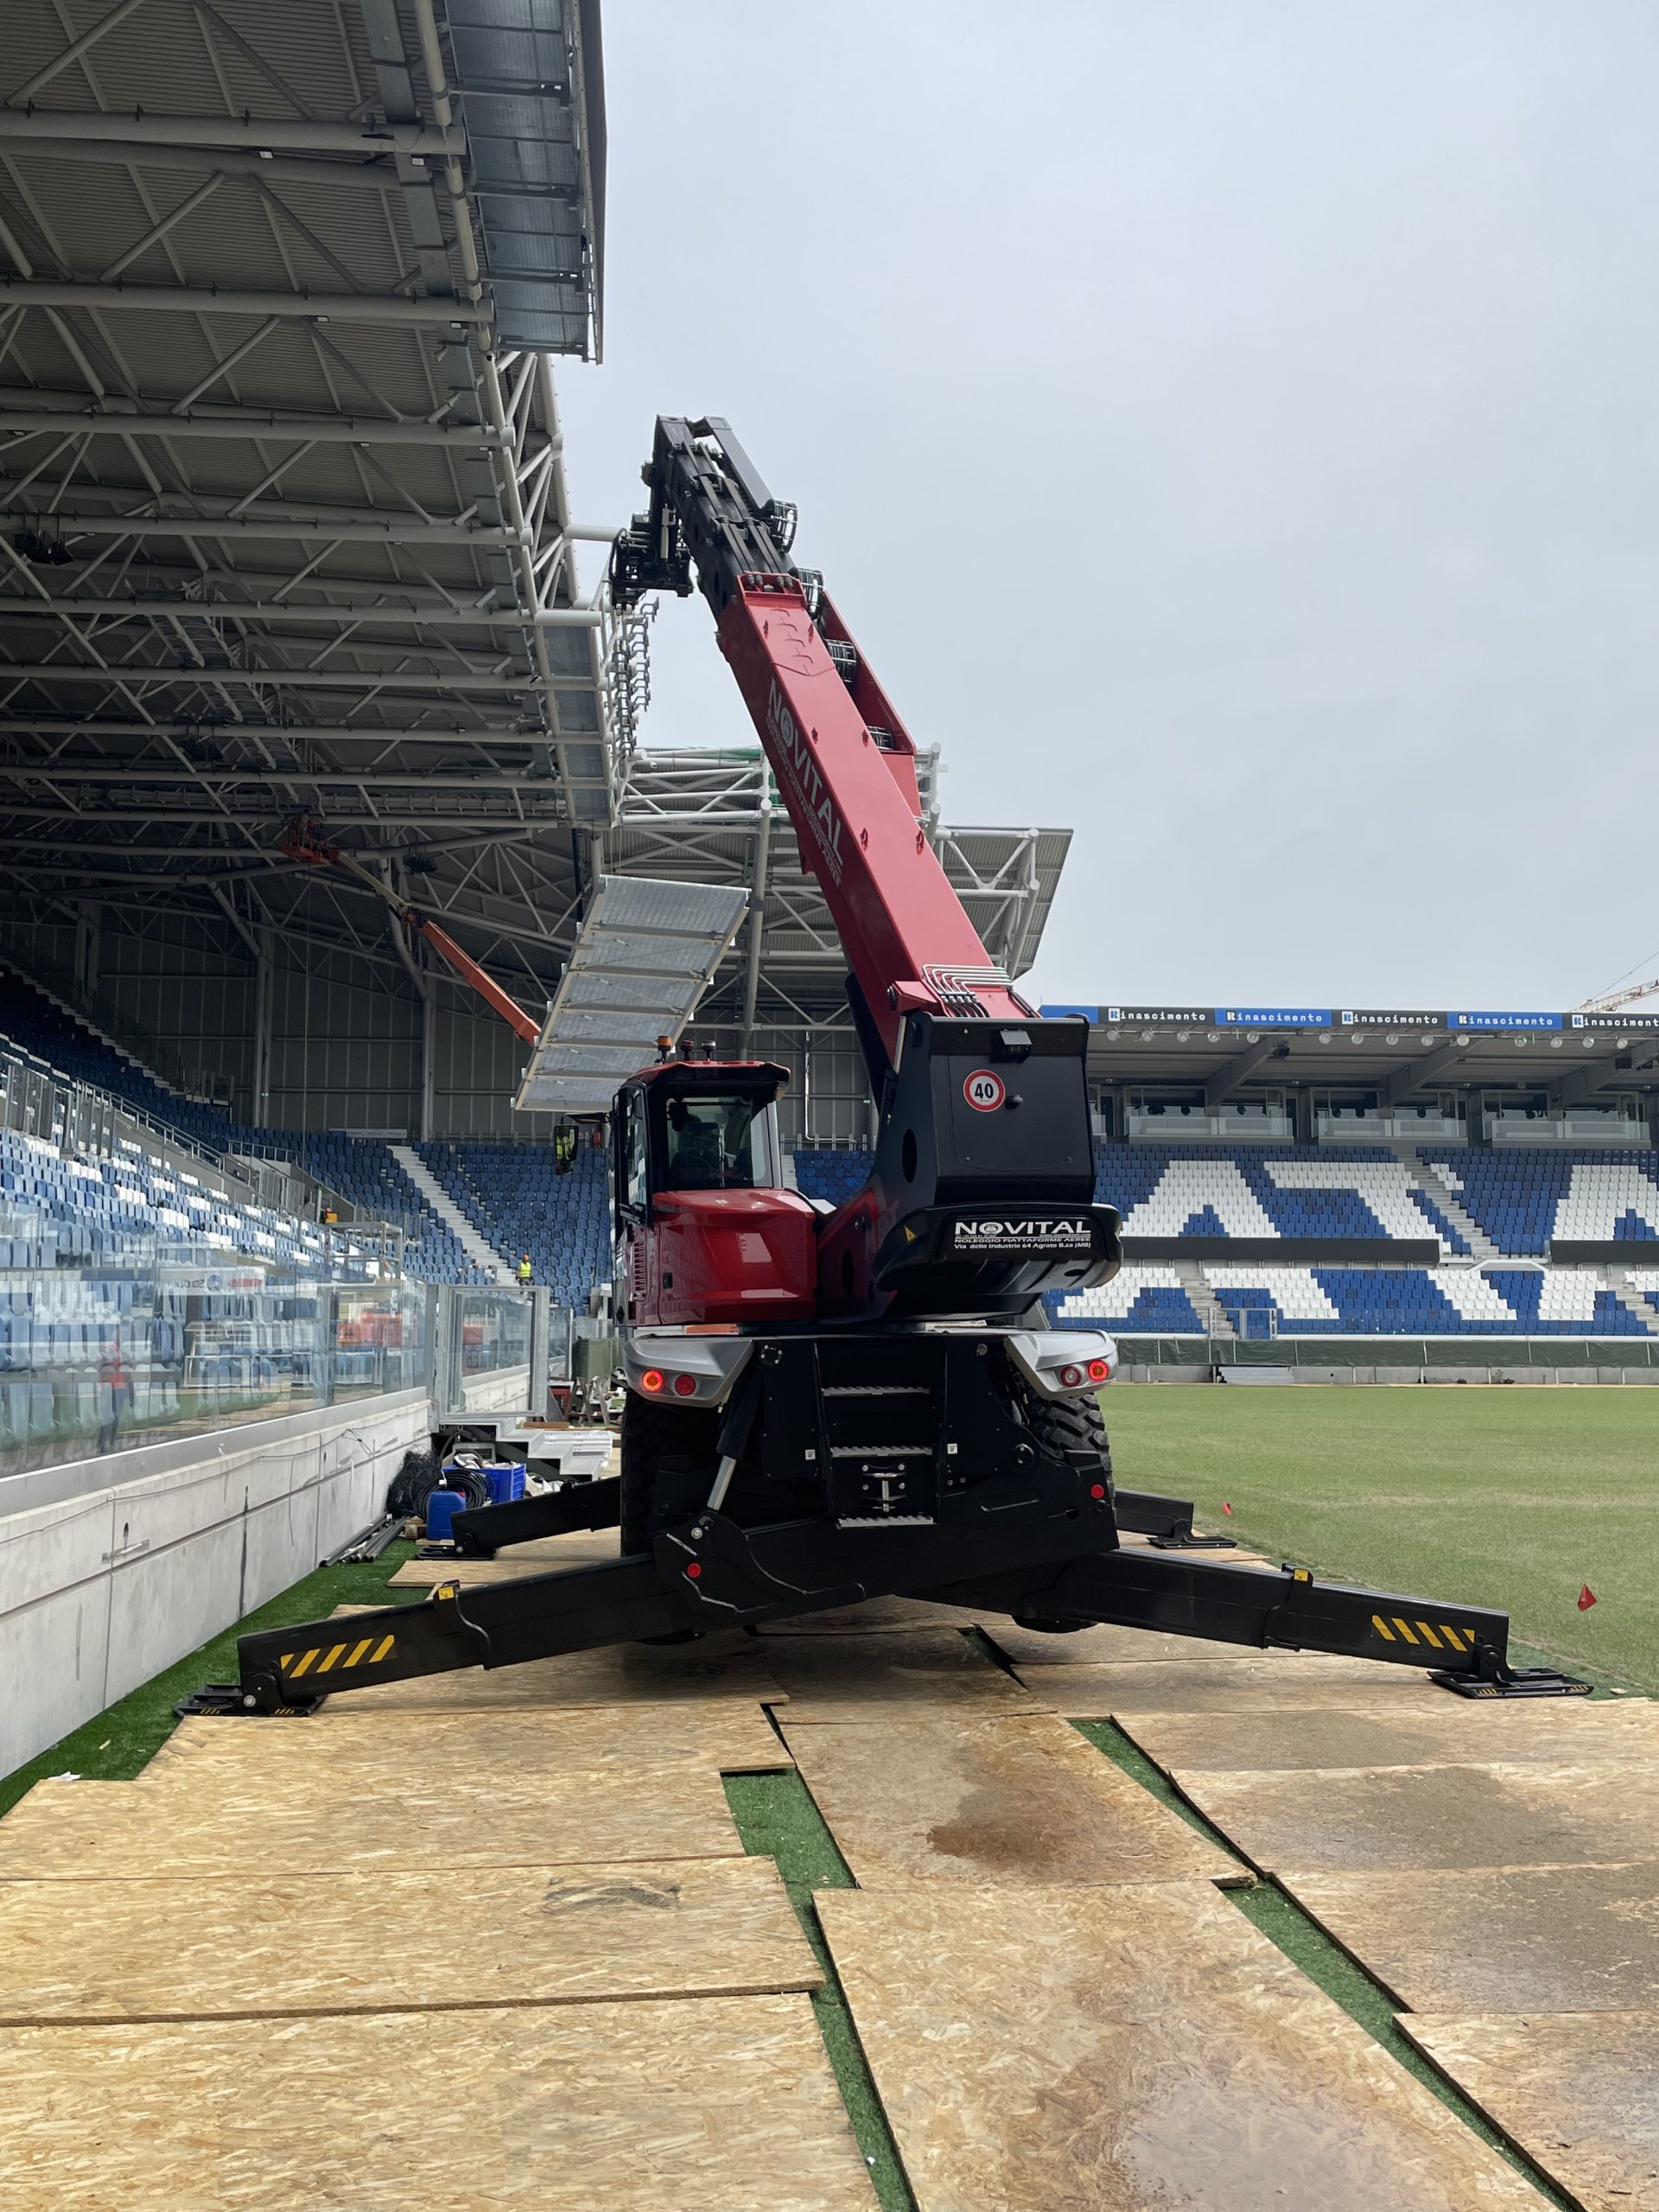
(717, 1141)
(634, 1190)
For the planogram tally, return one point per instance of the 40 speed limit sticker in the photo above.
(984, 1091)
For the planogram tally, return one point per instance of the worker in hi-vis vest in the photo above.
(525, 1270)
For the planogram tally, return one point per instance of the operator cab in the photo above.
(712, 1235)
(698, 1125)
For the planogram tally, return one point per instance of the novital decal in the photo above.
(795, 750)
(1009, 1233)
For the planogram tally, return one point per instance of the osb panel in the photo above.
(1578, 2092)
(1394, 1818)
(1108, 1645)
(443, 1817)
(543, 1556)
(265, 1945)
(636, 2107)
(1227, 1685)
(938, 1797)
(723, 1666)
(1133, 2049)
(878, 1614)
(731, 1734)
(833, 1678)
(1576, 1939)
(1548, 1731)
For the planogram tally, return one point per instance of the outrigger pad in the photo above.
(1167, 1520)
(230, 1701)
(1514, 1681)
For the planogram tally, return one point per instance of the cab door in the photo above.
(630, 1200)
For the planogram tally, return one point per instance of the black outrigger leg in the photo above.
(483, 1530)
(1056, 1560)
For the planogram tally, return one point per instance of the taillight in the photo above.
(652, 1379)
(1070, 1378)
(1100, 1370)
(685, 1386)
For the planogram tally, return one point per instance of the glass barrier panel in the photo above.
(100, 1358)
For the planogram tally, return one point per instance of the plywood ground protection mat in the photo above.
(1452, 1817)
(965, 1797)
(1128, 2049)
(696, 2103)
(1578, 2091)
(1553, 1939)
(732, 1734)
(261, 1945)
(83, 1831)
(1552, 1731)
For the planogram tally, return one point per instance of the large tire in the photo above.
(670, 1454)
(1064, 1428)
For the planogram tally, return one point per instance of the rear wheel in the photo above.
(668, 1457)
(1064, 1429)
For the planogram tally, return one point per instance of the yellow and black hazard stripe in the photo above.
(326, 1659)
(1437, 1636)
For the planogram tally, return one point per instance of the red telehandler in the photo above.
(826, 1405)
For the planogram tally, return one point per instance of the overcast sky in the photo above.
(1228, 429)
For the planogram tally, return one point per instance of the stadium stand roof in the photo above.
(286, 524)
(1221, 1055)
(286, 528)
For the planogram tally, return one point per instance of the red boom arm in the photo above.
(907, 936)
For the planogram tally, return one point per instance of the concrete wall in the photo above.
(112, 1569)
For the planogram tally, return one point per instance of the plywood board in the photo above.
(1578, 2091)
(545, 1555)
(1393, 1818)
(1096, 1692)
(1102, 1645)
(448, 1817)
(731, 1734)
(875, 1614)
(1133, 2049)
(268, 1945)
(1093, 1693)
(835, 1679)
(1140, 1646)
(1575, 1938)
(941, 1797)
(1551, 1730)
(634, 2107)
(723, 1666)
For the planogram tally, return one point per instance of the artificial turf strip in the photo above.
(776, 1818)
(1514, 1498)
(1308, 1946)
(120, 1742)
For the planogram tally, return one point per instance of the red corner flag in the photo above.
(1586, 1598)
(1226, 1507)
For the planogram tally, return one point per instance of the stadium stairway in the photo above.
(1213, 1316)
(472, 1242)
(1430, 1180)
(1634, 1300)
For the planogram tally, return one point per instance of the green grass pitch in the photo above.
(1508, 1496)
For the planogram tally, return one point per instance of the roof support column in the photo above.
(756, 917)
